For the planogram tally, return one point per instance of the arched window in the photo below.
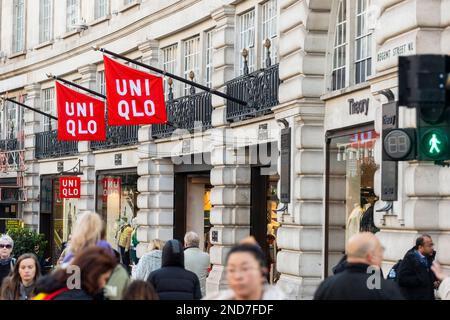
(352, 46)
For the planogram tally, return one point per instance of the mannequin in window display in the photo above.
(354, 221)
(367, 220)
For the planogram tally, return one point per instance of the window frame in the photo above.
(76, 17)
(48, 106)
(17, 47)
(99, 15)
(196, 55)
(49, 19)
(241, 43)
(273, 37)
(351, 47)
(172, 64)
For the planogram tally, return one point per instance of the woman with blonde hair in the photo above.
(88, 231)
(149, 262)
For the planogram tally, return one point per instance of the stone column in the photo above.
(155, 183)
(31, 177)
(87, 166)
(230, 196)
(303, 38)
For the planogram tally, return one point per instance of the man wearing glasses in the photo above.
(6, 261)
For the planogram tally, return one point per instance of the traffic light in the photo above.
(422, 85)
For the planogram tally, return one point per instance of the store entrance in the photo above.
(263, 218)
(57, 217)
(350, 197)
(192, 206)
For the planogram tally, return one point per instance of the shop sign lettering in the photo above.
(134, 97)
(80, 117)
(69, 187)
(358, 107)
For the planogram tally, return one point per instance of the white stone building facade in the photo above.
(323, 53)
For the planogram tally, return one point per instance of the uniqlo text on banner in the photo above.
(134, 97)
(80, 117)
(69, 187)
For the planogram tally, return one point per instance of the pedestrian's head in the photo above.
(140, 290)
(6, 246)
(191, 239)
(96, 265)
(26, 271)
(86, 232)
(173, 254)
(425, 245)
(365, 248)
(155, 244)
(246, 271)
(27, 267)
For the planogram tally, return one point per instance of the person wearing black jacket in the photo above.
(361, 278)
(414, 276)
(172, 281)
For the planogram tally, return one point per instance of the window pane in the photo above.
(247, 40)
(340, 49)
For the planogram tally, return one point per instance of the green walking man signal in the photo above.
(433, 142)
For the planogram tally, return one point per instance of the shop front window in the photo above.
(116, 202)
(64, 215)
(350, 190)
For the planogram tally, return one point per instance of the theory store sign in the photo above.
(358, 107)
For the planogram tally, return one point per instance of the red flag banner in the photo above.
(80, 117)
(134, 97)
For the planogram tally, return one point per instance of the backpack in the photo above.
(392, 275)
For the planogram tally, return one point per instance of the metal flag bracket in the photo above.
(75, 171)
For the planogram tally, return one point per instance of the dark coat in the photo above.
(351, 284)
(414, 278)
(172, 281)
(48, 284)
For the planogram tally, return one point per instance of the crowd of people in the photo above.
(90, 269)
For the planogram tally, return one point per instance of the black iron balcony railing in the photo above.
(189, 113)
(48, 146)
(117, 136)
(259, 89)
(8, 145)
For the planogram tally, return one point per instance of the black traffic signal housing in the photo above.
(422, 85)
(399, 144)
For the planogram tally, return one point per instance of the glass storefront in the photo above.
(57, 216)
(350, 189)
(116, 201)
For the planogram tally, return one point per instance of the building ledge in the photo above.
(18, 54)
(115, 150)
(129, 6)
(43, 45)
(70, 33)
(100, 20)
(344, 91)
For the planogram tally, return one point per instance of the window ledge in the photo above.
(129, 6)
(100, 20)
(347, 90)
(70, 33)
(18, 54)
(43, 45)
